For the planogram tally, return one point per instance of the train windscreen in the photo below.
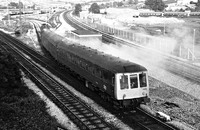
(133, 81)
(124, 82)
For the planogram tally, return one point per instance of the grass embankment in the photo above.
(20, 107)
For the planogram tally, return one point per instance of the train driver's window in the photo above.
(143, 80)
(133, 81)
(124, 82)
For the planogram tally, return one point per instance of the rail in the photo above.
(75, 109)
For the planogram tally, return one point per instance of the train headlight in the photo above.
(124, 96)
(143, 93)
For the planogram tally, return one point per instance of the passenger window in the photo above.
(98, 72)
(83, 64)
(91, 69)
(133, 81)
(101, 74)
(105, 75)
(86, 66)
(143, 80)
(124, 82)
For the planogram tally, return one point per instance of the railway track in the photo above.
(147, 121)
(55, 21)
(76, 110)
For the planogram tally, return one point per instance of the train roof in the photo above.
(108, 62)
(85, 33)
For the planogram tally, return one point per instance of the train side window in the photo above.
(98, 73)
(82, 64)
(86, 67)
(105, 75)
(90, 68)
(67, 56)
(74, 59)
(70, 57)
(78, 61)
(101, 74)
(93, 71)
(113, 80)
(143, 80)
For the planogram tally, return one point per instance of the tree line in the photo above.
(16, 5)
(156, 5)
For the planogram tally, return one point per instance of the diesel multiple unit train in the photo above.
(123, 83)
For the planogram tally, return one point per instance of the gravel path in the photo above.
(175, 81)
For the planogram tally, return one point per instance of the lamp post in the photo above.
(20, 18)
(164, 29)
(193, 45)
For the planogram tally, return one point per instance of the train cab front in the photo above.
(132, 88)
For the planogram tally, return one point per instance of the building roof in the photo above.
(86, 33)
(170, 1)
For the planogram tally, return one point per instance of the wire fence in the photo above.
(159, 43)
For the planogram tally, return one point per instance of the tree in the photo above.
(102, 6)
(16, 5)
(114, 4)
(33, 6)
(20, 5)
(136, 2)
(197, 6)
(78, 9)
(13, 4)
(94, 8)
(119, 4)
(130, 2)
(156, 5)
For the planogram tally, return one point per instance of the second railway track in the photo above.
(169, 62)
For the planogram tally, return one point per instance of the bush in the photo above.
(20, 108)
(28, 113)
(8, 99)
(10, 75)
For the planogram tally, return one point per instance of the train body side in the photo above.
(108, 77)
(88, 70)
(59, 49)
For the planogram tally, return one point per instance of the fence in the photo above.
(159, 43)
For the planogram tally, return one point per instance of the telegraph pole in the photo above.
(20, 17)
(24, 12)
(8, 13)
